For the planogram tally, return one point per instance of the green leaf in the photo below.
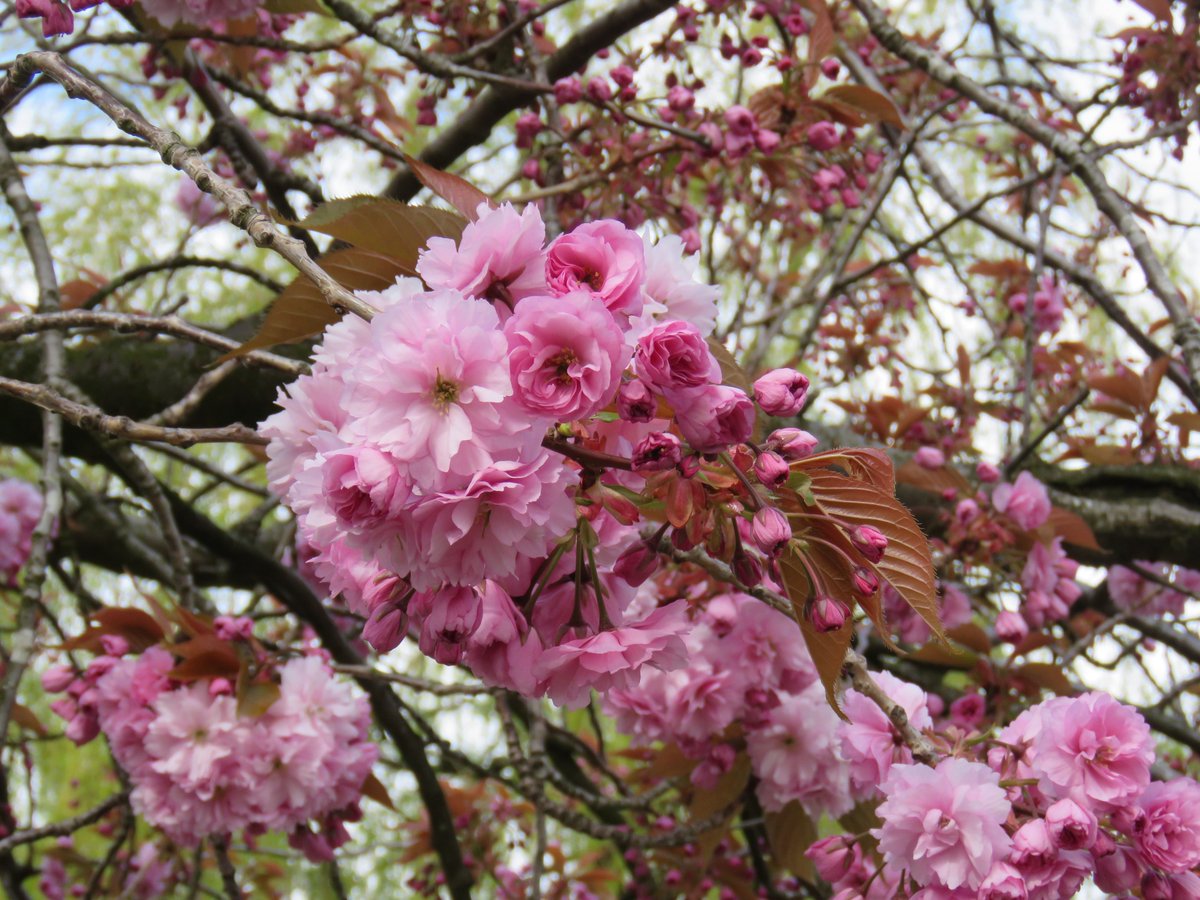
(295, 7)
(256, 697)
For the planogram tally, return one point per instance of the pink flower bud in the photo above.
(83, 728)
(866, 582)
(966, 512)
(1011, 628)
(597, 89)
(114, 644)
(567, 90)
(987, 473)
(635, 402)
(869, 541)
(830, 67)
(680, 99)
(770, 531)
(929, 458)
(741, 121)
(657, 452)
(771, 469)
(832, 856)
(747, 569)
(792, 443)
(622, 76)
(828, 614)
(689, 466)
(823, 136)
(1071, 826)
(766, 140)
(57, 678)
(712, 417)
(636, 564)
(781, 392)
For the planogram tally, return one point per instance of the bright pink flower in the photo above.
(201, 13)
(1003, 882)
(794, 755)
(1048, 305)
(612, 659)
(781, 392)
(502, 650)
(1095, 750)
(987, 473)
(674, 354)
(20, 509)
(827, 614)
(1025, 502)
(448, 619)
(869, 541)
(1166, 829)
(1117, 872)
(603, 258)
(869, 740)
(498, 258)
(364, 487)
(1131, 592)
(713, 417)
(636, 402)
(1049, 873)
(771, 531)
(566, 355)
(968, 711)
(944, 825)
(771, 469)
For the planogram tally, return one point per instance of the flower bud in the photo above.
(1011, 628)
(1071, 826)
(771, 469)
(822, 136)
(657, 452)
(832, 857)
(636, 564)
(747, 569)
(781, 392)
(114, 644)
(792, 443)
(828, 614)
(567, 90)
(869, 541)
(929, 458)
(770, 531)
(57, 678)
(635, 403)
(987, 473)
(866, 582)
(689, 466)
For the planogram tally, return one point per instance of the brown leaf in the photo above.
(137, 627)
(1153, 376)
(945, 656)
(456, 191)
(1001, 268)
(731, 370)
(906, 564)
(387, 227)
(27, 719)
(820, 39)
(944, 478)
(76, 293)
(1072, 529)
(1046, 675)
(300, 311)
(971, 635)
(873, 105)
(790, 832)
(828, 651)
(729, 787)
(1160, 9)
(1124, 386)
(374, 789)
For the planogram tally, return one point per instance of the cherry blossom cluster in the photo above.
(200, 767)
(1062, 794)
(20, 508)
(450, 462)
(58, 17)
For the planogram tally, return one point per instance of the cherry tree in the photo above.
(572, 449)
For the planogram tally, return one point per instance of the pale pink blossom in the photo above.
(673, 290)
(1131, 592)
(503, 650)
(1093, 749)
(794, 754)
(612, 659)
(869, 740)
(566, 355)
(1166, 828)
(1024, 501)
(943, 825)
(674, 354)
(603, 258)
(202, 13)
(498, 257)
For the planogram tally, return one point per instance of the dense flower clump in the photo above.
(20, 508)
(201, 767)
(58, 16)
(437, 458)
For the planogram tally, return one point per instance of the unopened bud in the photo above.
(866, 582)
(792, 443)
(869, 541)
(771, 469)
(770, 531)
(636, 564)
(828, 614)
(1011, 628)
(781, 392)
(747, 569)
